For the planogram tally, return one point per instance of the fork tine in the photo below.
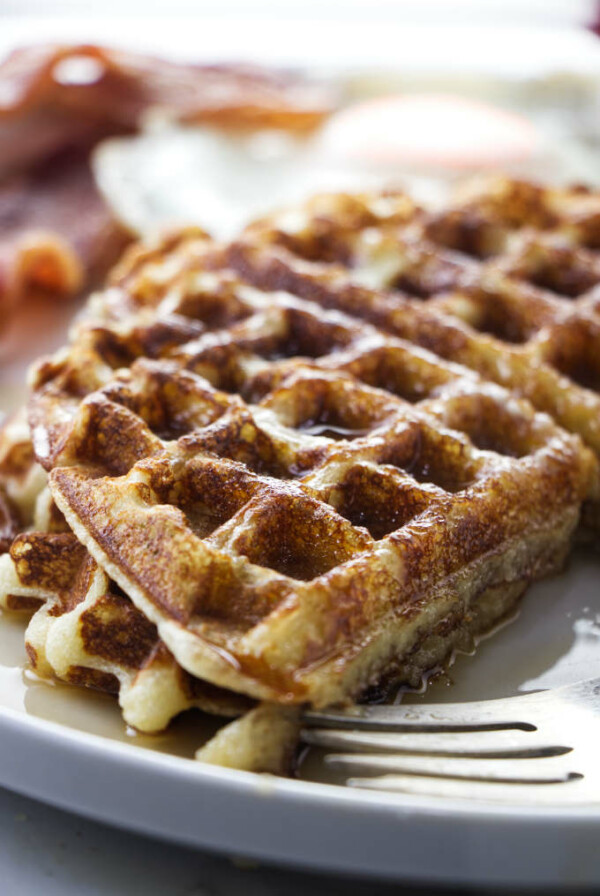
(490, 715)
(493, 743)
(536, 749)
(527, 771)
(574, 792)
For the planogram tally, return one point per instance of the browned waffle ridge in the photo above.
(503, 280)
(300, 501)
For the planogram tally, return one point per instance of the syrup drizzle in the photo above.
(330, 431)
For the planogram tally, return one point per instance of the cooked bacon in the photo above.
(52, 96)
(57, 102)
(56, 232)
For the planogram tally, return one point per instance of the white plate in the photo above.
(69, 747)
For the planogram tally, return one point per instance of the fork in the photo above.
(538, 748)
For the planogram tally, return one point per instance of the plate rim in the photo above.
(96, 763)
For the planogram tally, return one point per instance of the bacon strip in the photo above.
(56, 232)
(57, 102)
(51, 96)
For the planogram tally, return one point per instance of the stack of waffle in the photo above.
(309, 463)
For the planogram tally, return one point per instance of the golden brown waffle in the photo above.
(85, 631)
(257, 584)
(262, 740)
(306, 531)
(21, 479)
(294, 492)
(503, 281)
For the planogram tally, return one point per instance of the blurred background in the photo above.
(332, 94)
(470, 84)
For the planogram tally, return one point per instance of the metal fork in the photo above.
(539, 748)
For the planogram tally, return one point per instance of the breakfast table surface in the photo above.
(47, 851)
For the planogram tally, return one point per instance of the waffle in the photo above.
(262, 740)
(304, 486)
(21, 479)
(504, 281)
(293, 528)
(84, 631)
